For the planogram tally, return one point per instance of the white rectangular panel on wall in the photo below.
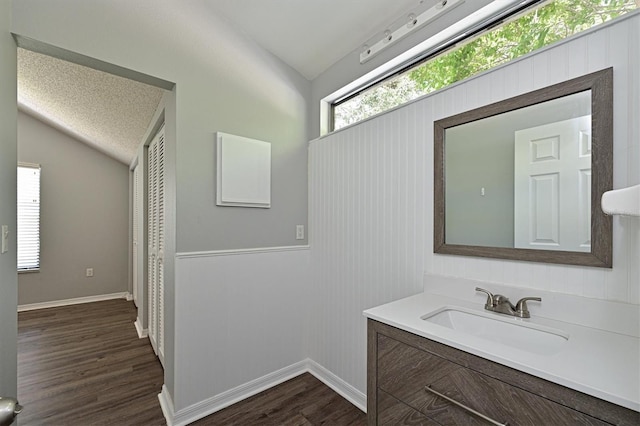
(244, 171)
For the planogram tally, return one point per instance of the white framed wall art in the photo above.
(243, 177)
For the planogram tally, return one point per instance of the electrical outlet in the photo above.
(299, 232)
(89, 272)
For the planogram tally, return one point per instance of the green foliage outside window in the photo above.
(547, 24)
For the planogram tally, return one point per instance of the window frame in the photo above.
(459, 39)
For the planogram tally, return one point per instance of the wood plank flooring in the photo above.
(301, 401)
(84, 365)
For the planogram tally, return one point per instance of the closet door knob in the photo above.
(9, 409)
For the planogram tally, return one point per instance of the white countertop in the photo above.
(600, 363)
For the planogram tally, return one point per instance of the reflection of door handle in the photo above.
(9, 409)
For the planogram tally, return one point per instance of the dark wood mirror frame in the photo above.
(600, 84)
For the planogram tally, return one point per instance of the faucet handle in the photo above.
(521, 307)
(490, 304)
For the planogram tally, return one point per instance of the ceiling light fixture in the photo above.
(412, 23)
(412, 20)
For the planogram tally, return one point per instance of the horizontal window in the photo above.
(28, 218)
(521, 32)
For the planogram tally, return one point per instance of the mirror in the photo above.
(522, 179)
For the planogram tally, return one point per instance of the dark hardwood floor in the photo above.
(303, 400)
(84, 365)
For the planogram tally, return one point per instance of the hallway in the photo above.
(84, 364)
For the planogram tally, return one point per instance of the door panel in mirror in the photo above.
(522, 179)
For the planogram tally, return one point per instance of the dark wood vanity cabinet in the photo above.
(401, 365)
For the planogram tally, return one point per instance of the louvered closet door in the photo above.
(161, 246)
(136, 229)
(152, 235)
(156, 242)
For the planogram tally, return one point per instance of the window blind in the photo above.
(28, 217)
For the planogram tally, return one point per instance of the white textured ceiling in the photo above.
(112, 114)
(108, 112)
(312, 35)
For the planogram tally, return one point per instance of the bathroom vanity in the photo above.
(423, 372)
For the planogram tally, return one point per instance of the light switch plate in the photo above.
(299, 232)
(5, 238)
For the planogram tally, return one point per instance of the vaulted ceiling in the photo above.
(107, 112)
(311, 36)
(112, 114)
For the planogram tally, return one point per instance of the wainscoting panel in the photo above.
(371, 199)
(367, 211)
(241, 316)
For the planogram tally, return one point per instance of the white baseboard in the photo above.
(75, 301)
(166, 404)
(225, 399)
(129, 297)
(343, 388)
(188, 255)
(142, 332)
(216, 403)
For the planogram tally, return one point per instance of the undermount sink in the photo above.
(501, 329)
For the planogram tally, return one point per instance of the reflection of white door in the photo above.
(552, 173)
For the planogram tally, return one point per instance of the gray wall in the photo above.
(84, 217)
(474, 159)
(8, 276)
(224, 82)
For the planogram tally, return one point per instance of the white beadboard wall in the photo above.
(239, 317)
(371, 200)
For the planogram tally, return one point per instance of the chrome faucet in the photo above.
(501, 304)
